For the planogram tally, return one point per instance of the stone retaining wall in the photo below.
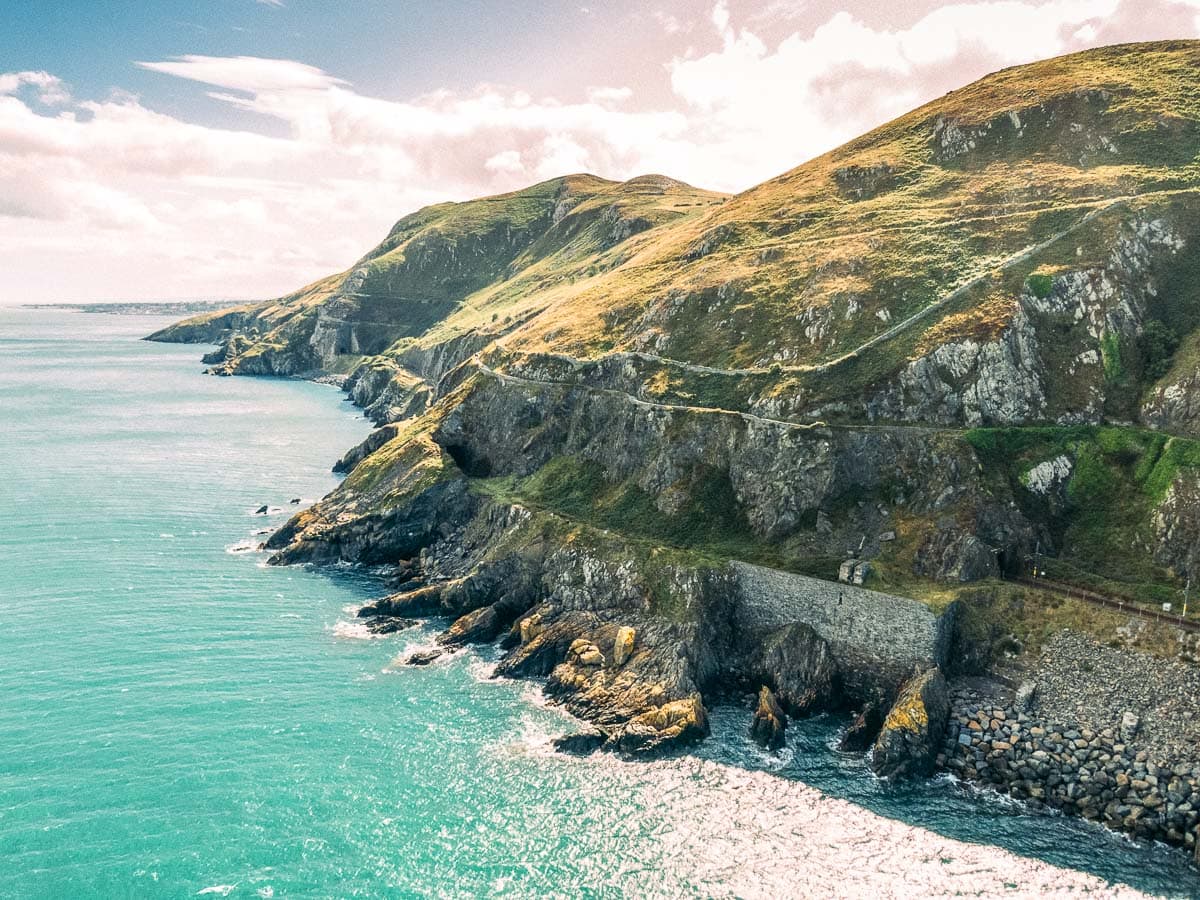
(879, 640)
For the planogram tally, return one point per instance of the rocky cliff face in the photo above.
(622, 424)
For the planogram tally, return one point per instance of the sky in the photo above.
(242, 148)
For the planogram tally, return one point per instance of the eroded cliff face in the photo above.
(638, 627)
(623, 423)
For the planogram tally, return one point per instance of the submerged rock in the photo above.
(581, 743)
(769, 722)
(912, 732)
(389, 624)
(424, 657)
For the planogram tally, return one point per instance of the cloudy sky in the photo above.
(240, 148)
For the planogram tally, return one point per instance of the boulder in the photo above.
(912, 732)
(530, 627)
(389, 624)
(477, 627)
(262, 510)
(863, 729)
(951, 555)
(798, 665)
(769, 721)
(671, 725)
(584, 654)
(623, 645)
(581, 743)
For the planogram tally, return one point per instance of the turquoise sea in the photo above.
(178, 719)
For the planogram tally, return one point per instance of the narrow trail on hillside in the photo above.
(891, 332)
(506, 378)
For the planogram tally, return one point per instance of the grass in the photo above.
(708, 520)
(1104, 523)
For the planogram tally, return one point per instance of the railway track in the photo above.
(1120, 604)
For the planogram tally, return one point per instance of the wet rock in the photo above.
(769, 722)
(799, 666)
(389, 624)
(863, 730)
(581, 743)
(262, 510)
(671, 725)
(480, 626)
(424, 657)
(295, 501)
(913, 730)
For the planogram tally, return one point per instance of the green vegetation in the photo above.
(1158, 345)
(933, 215)
(1040, 284)
(1103, 520)
(708, 520)
(1110, 354)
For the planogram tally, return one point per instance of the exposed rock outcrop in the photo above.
(770, 721)
(799, 666)
(912, 733)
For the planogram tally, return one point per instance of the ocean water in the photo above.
(178, 719)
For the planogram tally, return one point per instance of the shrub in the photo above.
(1158, 344)
(1040, 284)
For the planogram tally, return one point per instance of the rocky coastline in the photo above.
(1095, 732)
(641, 479)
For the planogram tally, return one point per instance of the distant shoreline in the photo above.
(145, 307)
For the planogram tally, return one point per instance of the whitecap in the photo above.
(166, 536)
(481, 670)
(223, 889)
(353, 630)
(246, 546)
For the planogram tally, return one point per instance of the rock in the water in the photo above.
(913, 730)
(477, 627)
(863, 730)
(798, 664)
(671, 725)
(423, 657)
(262, 510)
(769, 721)
(581, 743)
(295, 501)
(389, 624)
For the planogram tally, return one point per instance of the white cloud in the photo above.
(113, 198)
(50, 89)
(764, 109)
(246, 73)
